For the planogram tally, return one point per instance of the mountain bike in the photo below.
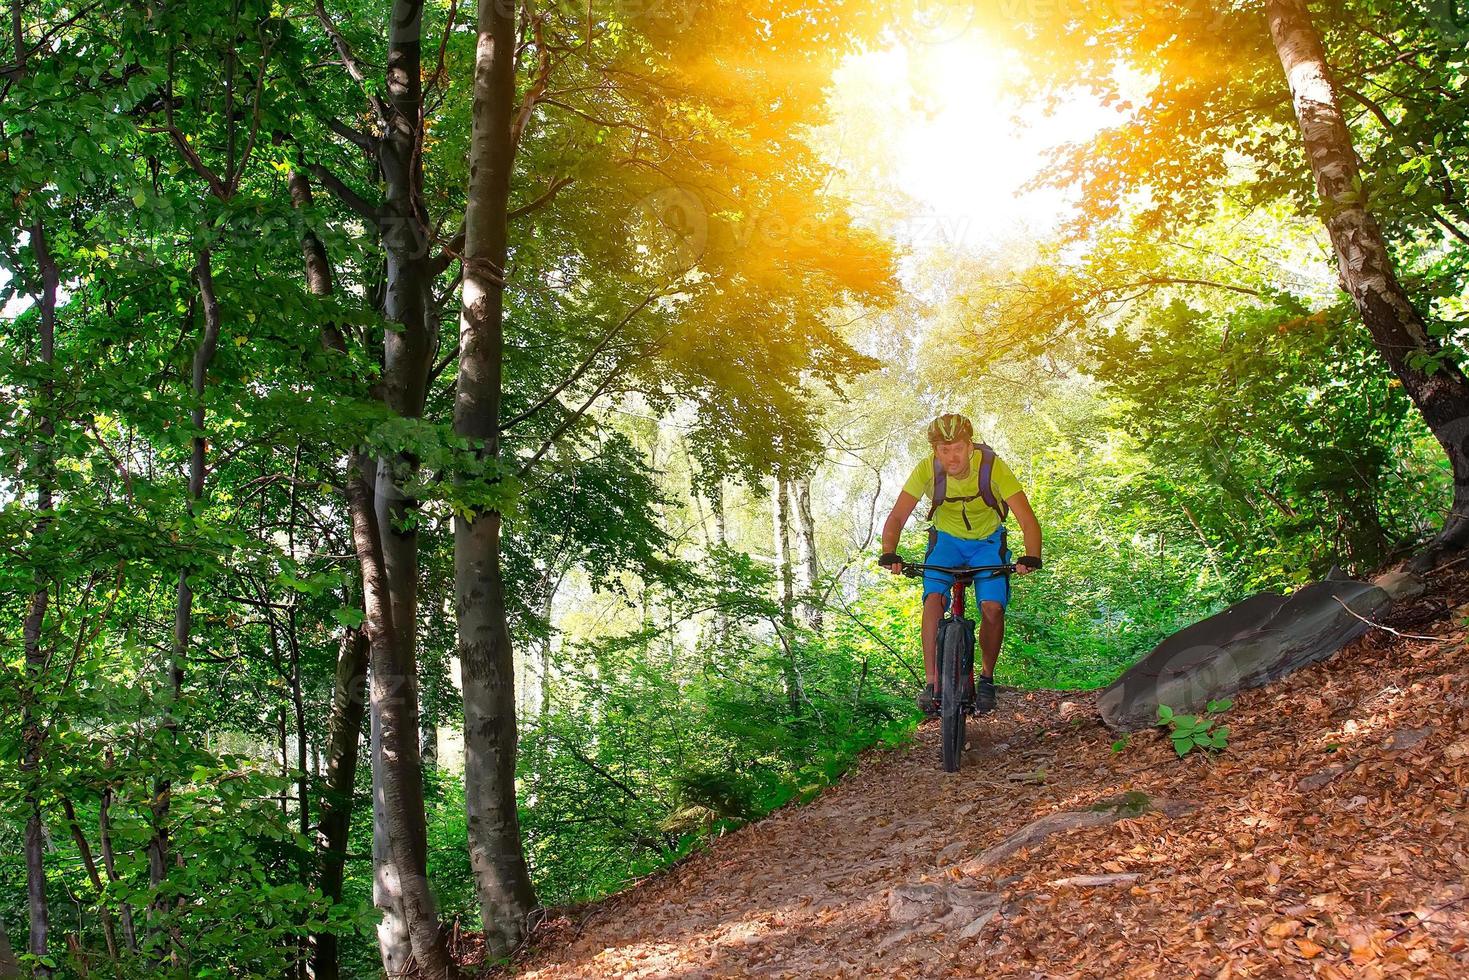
(955, 646)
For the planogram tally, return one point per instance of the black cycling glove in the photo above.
(1029, 561)
(890, 558)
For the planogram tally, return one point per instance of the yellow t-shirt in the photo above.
(971, 519)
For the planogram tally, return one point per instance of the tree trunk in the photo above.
(394, 944)
(809, 567)
(784, 572)
(32, 733)
(543, 648)
(385, 533)
(428, 730)
(109, 862)
(344, 734)
(785, 581)
(486, 659)
(1366, 268)
(89, 864)
(349, 695)
(409, 929)
(1203, 538)
(158, 848)
(716, 504)
(9, 965)
(400, 833)
(280, 732)
(721, 625)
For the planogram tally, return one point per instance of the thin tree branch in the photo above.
(1181, 281)
(557, 184)
(571, 418)
(344, 193)
(455, 245)
(356, 137)
(1369, 105)
(451, 251)
(609, 123)
(255, 115)
(1453, 229)
(349, 61)
(438, 77)
(1388, 629)
(216, 186)
(582, 368)
(536, 89)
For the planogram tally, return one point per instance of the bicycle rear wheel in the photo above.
(952, 673)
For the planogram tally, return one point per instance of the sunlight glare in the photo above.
(942, 125)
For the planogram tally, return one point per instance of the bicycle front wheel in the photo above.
(952, 672)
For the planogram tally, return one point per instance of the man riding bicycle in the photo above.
(972, 492)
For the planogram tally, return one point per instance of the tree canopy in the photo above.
(442, 445)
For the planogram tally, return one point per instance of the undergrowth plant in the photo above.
(1196, 732)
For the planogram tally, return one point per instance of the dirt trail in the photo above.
(1328, 840)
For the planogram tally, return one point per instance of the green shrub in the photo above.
(1196, 732)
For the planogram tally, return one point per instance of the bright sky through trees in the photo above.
(938, 142)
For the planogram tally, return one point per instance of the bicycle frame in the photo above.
(963, 577)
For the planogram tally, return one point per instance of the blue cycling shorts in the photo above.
(964, 553)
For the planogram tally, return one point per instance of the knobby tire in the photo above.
(952, 695)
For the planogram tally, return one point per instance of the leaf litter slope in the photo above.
(1328, 840)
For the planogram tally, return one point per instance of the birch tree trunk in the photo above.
(428, 729)
(721, 626)
(784, 571)
(716, 505)
(543, 649)
(486, 659)
(1366, 267)
(809, 568)
(786, 583)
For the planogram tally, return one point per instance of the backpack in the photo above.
(986, 491)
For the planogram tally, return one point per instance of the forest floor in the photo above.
(1331, 838)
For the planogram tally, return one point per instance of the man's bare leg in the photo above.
(991, 635)
(933, 611)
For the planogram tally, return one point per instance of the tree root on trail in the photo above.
(939, 906)
(1097, 881)
(1100, 814)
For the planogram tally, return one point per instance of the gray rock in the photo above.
(950, 904)
(1252, 643)
(977, 926)
(1400, 585)
(1405, 739)
(1321, 778)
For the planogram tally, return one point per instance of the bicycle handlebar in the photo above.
(916, 570)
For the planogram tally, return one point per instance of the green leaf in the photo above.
(348, 616)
